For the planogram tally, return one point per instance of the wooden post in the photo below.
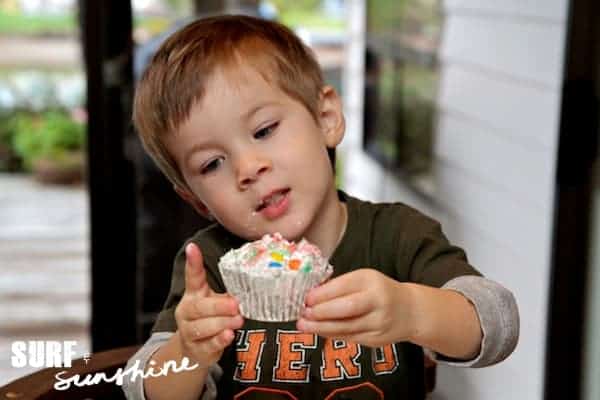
(209, 6)
(107, 44)
(217, 6)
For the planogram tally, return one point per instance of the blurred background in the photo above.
(482, 115)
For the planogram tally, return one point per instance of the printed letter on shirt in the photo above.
(249, 348)
(385, 359)
(291, 356)
(340, 360)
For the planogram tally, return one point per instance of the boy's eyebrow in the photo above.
(248, 114)
(193, 150)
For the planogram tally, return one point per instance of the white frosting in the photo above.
(271, 276)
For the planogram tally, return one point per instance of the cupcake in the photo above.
(271, 276)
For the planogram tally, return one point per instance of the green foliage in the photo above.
(152, 24)
(9, 161)
(51, 135)
(339, 171)
(296, 18)
(179, 6)
(16, 23)
(408, 16)
(6, 132)
(306, 13)
(285, 6)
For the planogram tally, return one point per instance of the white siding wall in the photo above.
(499, 102)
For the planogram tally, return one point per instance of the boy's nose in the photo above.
(250, 168)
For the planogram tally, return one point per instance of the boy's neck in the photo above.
(329, 243)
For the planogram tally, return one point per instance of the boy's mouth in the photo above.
(272, 199)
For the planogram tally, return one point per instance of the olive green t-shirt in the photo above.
(275, 361)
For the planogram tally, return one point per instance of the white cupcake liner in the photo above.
(275, 297)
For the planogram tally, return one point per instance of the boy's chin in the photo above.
(288, 233)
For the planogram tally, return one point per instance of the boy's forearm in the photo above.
(446, 322)
(181, 385)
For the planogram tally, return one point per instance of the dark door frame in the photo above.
(107, 43)
(577, 148)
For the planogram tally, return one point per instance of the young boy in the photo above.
(235, 112)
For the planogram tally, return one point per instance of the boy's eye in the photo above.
(211, 166)
(266, 131)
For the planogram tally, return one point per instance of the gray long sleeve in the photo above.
(498, 314)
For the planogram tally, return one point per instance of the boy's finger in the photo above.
(211, 306)
(195, 274)
(339, 328)
(202, 330)
(215, 294)
(336, 287)
(218, 342)
(350, 306)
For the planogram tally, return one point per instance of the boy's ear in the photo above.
(192, 200)
(331, 116)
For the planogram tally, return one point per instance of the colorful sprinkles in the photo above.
(274, 253)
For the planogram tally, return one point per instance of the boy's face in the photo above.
(256, 159)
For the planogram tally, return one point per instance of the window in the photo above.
(401, 67)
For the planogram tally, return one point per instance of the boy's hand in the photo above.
(205, 319)
(362, 306)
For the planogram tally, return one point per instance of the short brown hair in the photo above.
(176, 77)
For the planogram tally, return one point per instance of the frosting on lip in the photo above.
(277, 207)
(268, 199)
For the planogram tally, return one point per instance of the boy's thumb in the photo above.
(195, 274)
